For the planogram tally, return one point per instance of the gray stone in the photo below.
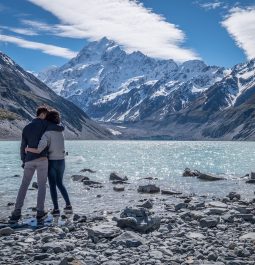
(209, 222)
(103, 231)
(138, 219)
(6, 231)
(209, 177)
(35, 185)
(116, 176)
(170, 192)
(215, 211)
(150, 188)
(180, 206)
(248, 236)
(79, 178)
(234, 195)
(218, 204)
(128, 239)
(118, 188)
(189, 173)
(148, 204)
(195, 235)
(88, 170)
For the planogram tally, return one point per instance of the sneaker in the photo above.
(68, 209)
(41, 215)
(55, 212)
(16, 215)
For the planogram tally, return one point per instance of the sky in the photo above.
(40, 33)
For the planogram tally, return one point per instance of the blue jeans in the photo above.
(55, 176)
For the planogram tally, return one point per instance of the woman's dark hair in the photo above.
(53, 116)
(40, 110)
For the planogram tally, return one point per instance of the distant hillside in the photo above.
(21, 93)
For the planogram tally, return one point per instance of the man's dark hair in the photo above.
(53, 116)
(40, 110)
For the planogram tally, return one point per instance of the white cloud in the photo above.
(240, 24)
(213, 5)
(22, 31)
(45, 48)
(124, 21)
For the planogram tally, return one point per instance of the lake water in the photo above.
(164, 160)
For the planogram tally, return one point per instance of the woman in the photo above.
(54, 141)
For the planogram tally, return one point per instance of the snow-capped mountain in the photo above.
(158, 98)
(112, 85)
(21, 93)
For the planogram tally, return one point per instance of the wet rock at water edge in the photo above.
(150, 188)
(118, 188)
(209, 177)
(116, 182)
(115, 176)
(79, 178)
(234, 195)
(91, 182)
(138, 219)
(88, 170)
(128, 239)
(189, 173)
(170, 192)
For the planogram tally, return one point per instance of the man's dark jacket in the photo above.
(31, 136)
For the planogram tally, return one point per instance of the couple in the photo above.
(42, 150)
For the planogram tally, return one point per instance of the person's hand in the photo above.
(26, 149)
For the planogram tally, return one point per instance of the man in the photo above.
(31, 136)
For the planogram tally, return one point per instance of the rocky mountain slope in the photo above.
(21, 93)
(114, 86)
(147, 97)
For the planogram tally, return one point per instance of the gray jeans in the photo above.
(41, 166)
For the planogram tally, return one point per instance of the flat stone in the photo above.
(218, 204)
(215, 211)
(103, 231)
(170, 192)
(250, 236)
(88, 170)
(194, 235)
(128, 239)
(209, 177)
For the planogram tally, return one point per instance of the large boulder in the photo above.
(103, 231)
(116, 176)
(128, 239)
(150, 188)
(138, 219)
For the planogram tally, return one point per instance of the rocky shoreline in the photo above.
(161, 227)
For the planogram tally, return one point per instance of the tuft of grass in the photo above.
(7, 115)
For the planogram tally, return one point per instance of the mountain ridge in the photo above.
(21, 93)
(116, 87)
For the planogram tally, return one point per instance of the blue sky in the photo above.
(41, 33)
